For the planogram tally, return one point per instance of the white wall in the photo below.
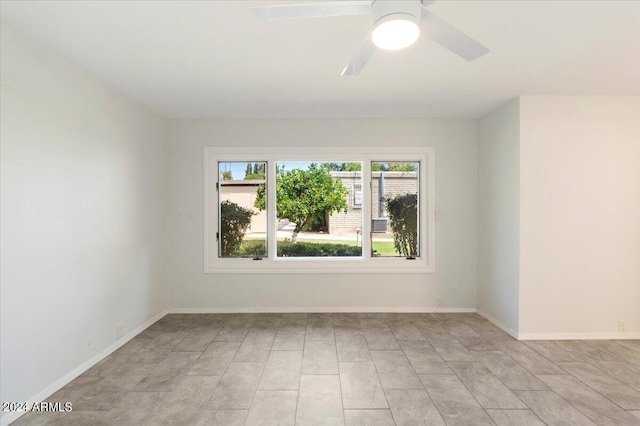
(82, 214)
(455, 277)
(580, 215)
(499, 215)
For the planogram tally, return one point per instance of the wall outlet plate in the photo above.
(622, 326)
(119, 331)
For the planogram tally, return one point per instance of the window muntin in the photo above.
(242, 224)
(313, 212)
(395, 201)
(366, 263)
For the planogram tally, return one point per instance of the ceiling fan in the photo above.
(396, 25)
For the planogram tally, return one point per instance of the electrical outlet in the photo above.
(119, 331)
(439, 303)
(622, 326)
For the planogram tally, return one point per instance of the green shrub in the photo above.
(403, 218)
(302, 249)
(234, 222)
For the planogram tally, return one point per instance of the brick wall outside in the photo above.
(395, 183)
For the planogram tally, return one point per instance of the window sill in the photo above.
(227, 270)
(319, 266)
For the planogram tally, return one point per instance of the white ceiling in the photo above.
(195, 59)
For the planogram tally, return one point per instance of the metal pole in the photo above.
(381, 210)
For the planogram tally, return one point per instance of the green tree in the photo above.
(334, 167)
(402, 167)
(234, 222)
(353, 167)
(304, 194)
(343, 167)
(403, 218)
(393, 167)
(227, 175)
(376, 167)
(255, 172)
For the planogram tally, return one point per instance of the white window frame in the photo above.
(425, 263)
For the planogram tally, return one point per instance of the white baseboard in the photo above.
(500, 324)
(579, 336)
(560, 336)
(319, 310)
(63, 381)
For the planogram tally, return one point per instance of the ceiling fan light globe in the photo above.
(395, 31)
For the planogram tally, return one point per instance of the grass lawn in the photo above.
(383, 248)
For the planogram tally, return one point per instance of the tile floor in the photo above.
(353, 369)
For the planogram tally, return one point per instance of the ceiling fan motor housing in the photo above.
(381, 9)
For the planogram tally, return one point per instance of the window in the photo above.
(243, 226)
(356, 196)
(305, 210)
(312, 209)
(394, 211)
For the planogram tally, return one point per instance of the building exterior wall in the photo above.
(244, 194)
(395, 183)
(341, 223)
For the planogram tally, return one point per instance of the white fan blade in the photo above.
(363, 53)
(312, 10)
(448, 36)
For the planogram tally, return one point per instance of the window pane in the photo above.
(243, 215)
(319, 209)
(394, 210)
